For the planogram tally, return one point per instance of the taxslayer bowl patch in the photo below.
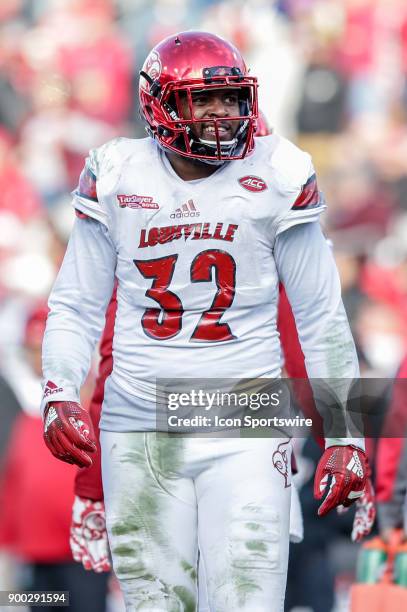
(253, 183)
(136, 201)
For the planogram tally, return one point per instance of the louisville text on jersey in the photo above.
(194, 231)
(136, 201)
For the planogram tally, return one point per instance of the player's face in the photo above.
(214, 104)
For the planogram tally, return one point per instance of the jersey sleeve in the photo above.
(87, 199)
(296, 180)
(307, 269)
(77, 305)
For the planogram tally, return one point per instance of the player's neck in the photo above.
(189, 170)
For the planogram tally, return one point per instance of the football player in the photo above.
(198, 224)
(88, 540)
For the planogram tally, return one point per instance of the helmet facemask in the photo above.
(180, 130)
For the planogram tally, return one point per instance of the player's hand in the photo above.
(365, 513)
(88, 538)
(346, 469)
(68, 433)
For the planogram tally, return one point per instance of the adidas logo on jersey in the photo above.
(186, 210)
(355, 465)
(51, 388)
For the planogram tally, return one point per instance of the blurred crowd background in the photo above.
(333, 78)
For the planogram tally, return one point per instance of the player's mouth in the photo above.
(224, 130)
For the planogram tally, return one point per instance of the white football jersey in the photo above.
(197, 275)
(197, 282)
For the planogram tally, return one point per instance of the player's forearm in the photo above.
(308, 272)
(309, 275)
(66, 361)
(77, 309)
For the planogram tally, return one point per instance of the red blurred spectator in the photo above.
(10, 8)
(17, 195)
(360, 33)
(403, 41)
(36, 497)
(388, 286)
(391, 461)
(98, 64)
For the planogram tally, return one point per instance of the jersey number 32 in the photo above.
(166, 322)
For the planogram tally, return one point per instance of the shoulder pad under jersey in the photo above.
(294, 176)
(102, 169)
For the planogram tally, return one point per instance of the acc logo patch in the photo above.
(253, 183)
(153, 65)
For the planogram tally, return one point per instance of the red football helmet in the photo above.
(192, 62)
(263, 128)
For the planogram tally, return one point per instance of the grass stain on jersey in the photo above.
(166, 454)
(122, 528)
(139, 533)
(253, 526)
(123, 550)
(186, 598)
(244, 583)
(257, 546)
(165, 597)
(245, 587)
(249, 553)
(189, 569)
(132, 569)
(137, 528)
(341, 348)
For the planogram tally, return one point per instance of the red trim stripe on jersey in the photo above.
(80, 214)
(87, 185)
(309, 196)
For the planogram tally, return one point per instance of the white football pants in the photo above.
(164, 495)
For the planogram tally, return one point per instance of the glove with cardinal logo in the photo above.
(88, 538)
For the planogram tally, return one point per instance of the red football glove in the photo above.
(88, 538)
(365, 513)
(68, 433)
(346, 468)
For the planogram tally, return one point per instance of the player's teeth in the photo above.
(211, 130)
